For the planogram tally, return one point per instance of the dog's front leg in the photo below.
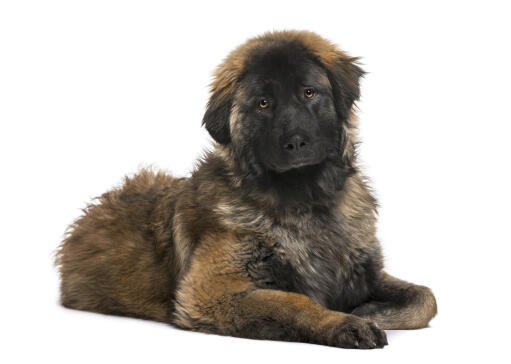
(397, 304)
(217, 296)
(277, 315)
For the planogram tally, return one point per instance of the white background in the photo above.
(93, 90)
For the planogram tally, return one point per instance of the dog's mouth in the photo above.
(300, 164)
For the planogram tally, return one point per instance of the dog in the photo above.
(273, 235)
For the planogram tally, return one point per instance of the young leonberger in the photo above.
(273, 235)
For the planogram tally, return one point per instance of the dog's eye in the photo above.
(263, 103)
(309, 92)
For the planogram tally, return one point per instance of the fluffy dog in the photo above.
(273, 235)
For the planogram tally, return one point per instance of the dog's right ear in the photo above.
(218, 112)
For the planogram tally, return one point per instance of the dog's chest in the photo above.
(324, 265)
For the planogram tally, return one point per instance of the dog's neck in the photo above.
(295, 193)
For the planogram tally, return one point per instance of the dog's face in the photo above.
(286, 111)
(285, 103)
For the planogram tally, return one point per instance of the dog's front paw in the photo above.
(357, 333)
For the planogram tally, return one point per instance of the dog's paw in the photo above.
(357, 333)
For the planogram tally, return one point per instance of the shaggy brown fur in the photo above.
(219, 253)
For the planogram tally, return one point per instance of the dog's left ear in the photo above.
(218, 112)
(344, 75)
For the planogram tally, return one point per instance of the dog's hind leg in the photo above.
(112, 261)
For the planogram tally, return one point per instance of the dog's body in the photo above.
(261, 241)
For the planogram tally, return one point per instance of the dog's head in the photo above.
(283, 102)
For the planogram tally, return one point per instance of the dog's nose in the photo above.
(296, 143)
